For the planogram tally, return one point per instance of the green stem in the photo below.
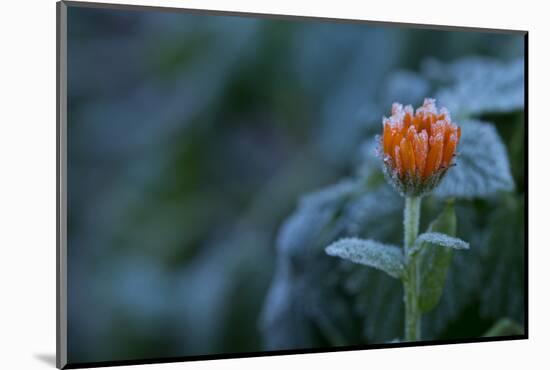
(410, 281)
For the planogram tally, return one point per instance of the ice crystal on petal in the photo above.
(417, 148)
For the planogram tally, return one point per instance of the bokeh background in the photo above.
(192, 137)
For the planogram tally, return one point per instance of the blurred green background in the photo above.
(191, 138)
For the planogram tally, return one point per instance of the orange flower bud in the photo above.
(418, 147)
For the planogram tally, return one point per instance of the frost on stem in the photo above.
(418, 148)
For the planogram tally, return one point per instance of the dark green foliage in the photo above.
(467, 289)
(191, 138)
(434, 261)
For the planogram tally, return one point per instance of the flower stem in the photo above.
(410, 282)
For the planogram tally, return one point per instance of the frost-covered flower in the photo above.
(418, 148)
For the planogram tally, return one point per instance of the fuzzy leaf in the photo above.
(482, 168)
(315, 212)
(434, 261)
(472, 86)
(438, 239)
(387, 258)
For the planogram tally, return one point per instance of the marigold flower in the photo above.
(418, 148)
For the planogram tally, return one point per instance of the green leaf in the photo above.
(438, 239)
(459, 292)
(482, 167)
(434, 261)
(495, 263)
(371, 253)
(503, 259)
(504, 326)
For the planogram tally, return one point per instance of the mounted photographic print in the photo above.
(236, 185)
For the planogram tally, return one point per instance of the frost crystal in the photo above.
(387, 258)
(418, 148)
(477, 85)
(482, 168)
(440, 239)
